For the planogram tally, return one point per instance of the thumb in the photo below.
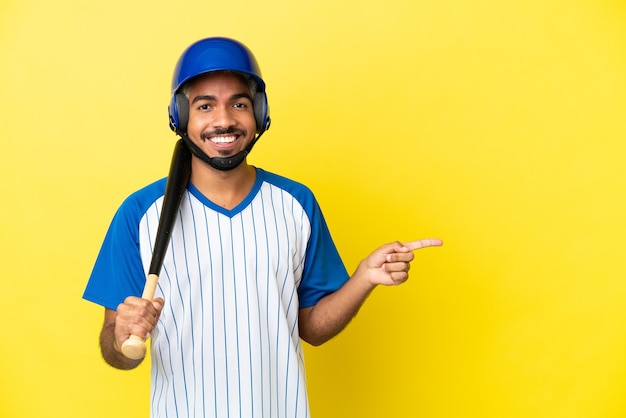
(158, 304)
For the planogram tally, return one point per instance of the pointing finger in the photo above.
(423, 243)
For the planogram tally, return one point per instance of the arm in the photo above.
(135, 316)
(388, 265)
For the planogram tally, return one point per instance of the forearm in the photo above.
(332, 313)
(110, 351)
(388, 265)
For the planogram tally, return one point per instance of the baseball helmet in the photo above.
(216, 54)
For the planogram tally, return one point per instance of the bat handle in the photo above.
(135, 347)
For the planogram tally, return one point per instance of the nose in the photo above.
(223, 117)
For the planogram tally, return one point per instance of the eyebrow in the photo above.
(213, 98)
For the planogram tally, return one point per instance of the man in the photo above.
(251, 268)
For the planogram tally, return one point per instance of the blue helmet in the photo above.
(216, 54)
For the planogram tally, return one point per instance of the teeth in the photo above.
(223, 139)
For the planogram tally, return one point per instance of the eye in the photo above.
(203, 106)
(240, 105)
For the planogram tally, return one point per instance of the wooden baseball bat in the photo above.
(180, 170)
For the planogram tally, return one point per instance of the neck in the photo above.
(224, 188)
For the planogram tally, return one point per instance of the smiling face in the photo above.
(221, 118)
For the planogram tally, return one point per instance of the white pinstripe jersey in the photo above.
(227, 342)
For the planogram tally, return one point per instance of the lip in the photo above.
(223, 140)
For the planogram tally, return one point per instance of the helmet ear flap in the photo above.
(261, 112)
(179, 113)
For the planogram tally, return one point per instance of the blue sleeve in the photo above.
(324, 271)
(118, 271)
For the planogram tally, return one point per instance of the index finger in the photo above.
(423, 243)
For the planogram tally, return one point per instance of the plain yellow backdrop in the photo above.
(498, 126)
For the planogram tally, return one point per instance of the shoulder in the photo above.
(299, 192)
(136, 204)
(295, 188)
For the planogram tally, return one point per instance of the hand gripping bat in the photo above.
(180, 170)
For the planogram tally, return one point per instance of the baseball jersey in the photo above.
(233, 281)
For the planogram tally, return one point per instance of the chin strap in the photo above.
(220, 163)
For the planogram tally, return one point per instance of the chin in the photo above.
(227, 154)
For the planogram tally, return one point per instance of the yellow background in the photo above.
(498, 126)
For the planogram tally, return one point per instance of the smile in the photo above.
(223, 139)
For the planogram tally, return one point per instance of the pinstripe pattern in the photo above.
(227, 342)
